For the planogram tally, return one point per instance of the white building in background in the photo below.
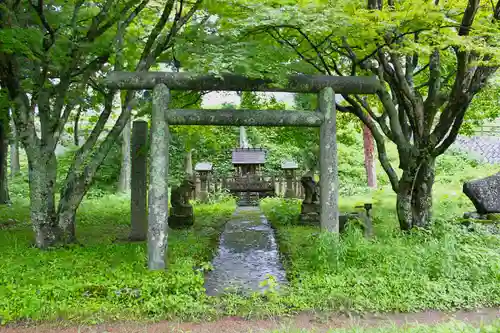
(217, 98)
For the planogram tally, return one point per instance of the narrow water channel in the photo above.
(247, 254)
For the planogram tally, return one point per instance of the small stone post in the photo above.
(203, 169)
(188, 169)
(329, 213)
(138, 182)
(158, 182)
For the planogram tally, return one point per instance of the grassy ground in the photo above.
(442, 268)
(450, 327)
(106, 278)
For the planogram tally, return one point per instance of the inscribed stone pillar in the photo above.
(138, 182)
(329, 213)
(289, 175)
(203, 186)
(158, 180)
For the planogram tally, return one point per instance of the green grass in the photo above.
(449, 327)
(442, 268)
(104, 279)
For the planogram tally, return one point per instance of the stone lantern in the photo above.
(203, 169)
(289, 167)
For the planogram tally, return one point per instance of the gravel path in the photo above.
(482, 148)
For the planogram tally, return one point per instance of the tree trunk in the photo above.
(76, 128)
(125, 171)
(4, 190)
(414, 196)
(71, 198)
(369, 157)
(15, 167)
(42, 180)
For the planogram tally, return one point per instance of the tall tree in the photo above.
(50, 55)
(431, 59)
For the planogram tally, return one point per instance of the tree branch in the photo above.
(167, 9)
(468, 18)
(452, 136)
(385, 98)
(47, 43)
(295, 48)
(430, 104)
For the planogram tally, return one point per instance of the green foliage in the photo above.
(105, 278)
(485, 107)
(282, 211)
(442, 268)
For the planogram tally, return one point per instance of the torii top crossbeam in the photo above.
(299, 83)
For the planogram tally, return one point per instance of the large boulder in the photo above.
(484, 193)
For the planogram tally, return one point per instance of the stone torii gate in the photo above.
(162, 117)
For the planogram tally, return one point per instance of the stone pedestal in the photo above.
(310, 214)
(181, 217)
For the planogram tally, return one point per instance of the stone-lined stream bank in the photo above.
(247, 254)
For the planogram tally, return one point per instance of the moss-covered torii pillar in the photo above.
(328, 178)
(158, 180)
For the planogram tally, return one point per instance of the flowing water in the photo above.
(247, 254)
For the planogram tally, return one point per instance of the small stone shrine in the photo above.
(181, 215)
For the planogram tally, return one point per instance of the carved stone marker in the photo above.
(310, 208)
(484, 194)
(181, 214)
(138, 182)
